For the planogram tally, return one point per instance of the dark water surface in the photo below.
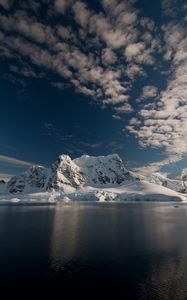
(96, 251)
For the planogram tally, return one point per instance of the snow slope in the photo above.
(159, 179)
(134, 191)
(140, 190)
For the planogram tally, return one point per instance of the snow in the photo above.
(134, 191)
(159, 179)
(102, 169)
(15, 200)
(184, 178)
(88, 178)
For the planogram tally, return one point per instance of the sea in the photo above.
(94, 250)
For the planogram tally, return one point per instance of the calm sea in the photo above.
(94, 251)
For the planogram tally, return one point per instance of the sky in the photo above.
(93, 77)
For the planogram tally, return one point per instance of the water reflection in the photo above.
(138, 250)
(141, 246)
(64, 235)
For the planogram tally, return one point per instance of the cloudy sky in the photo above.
(93, 77)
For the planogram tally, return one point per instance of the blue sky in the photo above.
(93, 77)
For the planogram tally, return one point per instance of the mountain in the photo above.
(34, 179)
(2, 187)
(70, 174)
(101, 170)
(184, 180)
(157, 178)
(93, 178)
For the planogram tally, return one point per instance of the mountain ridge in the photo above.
(68, 174)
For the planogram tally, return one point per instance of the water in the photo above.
(96, 251)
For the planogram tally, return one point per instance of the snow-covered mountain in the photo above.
(101, 177)
(184, 181)
(67, 173)
(34, 179)
(3, 187)
(100, 170)
(157, 178)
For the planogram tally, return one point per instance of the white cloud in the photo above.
(14, 161)
(134, 121)
(125, 108)
(25, 26)
(113, 36)
(157, 166)
(64, 32)
(133, 50)
(134, 70)
(108, 56)
(82, 14)
(149, 91)
(116, 117)
(164, 121)
(173, 35)
(61, 5)
(5, 176)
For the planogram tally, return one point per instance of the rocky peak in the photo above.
(34, 178)
(2, 182)
(101, 170)
(65, 172)
(184, 178)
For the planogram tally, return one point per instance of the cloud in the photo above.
(134, 50)
(149, 91)
(134, 70)
(90, 55)
(102, 54)
(90, 145)
(26, 71)
(61, 5)
(162, 123)
(135, 121)
(60, 85)
(157, 166)
(5, 176)
(64, 32)
(6, 4)
(14, 161)
(82, 14)
(108, 56)
(123, 109)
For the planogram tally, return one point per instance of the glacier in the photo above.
(89, 178)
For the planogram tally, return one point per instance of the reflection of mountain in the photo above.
(64, 235)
